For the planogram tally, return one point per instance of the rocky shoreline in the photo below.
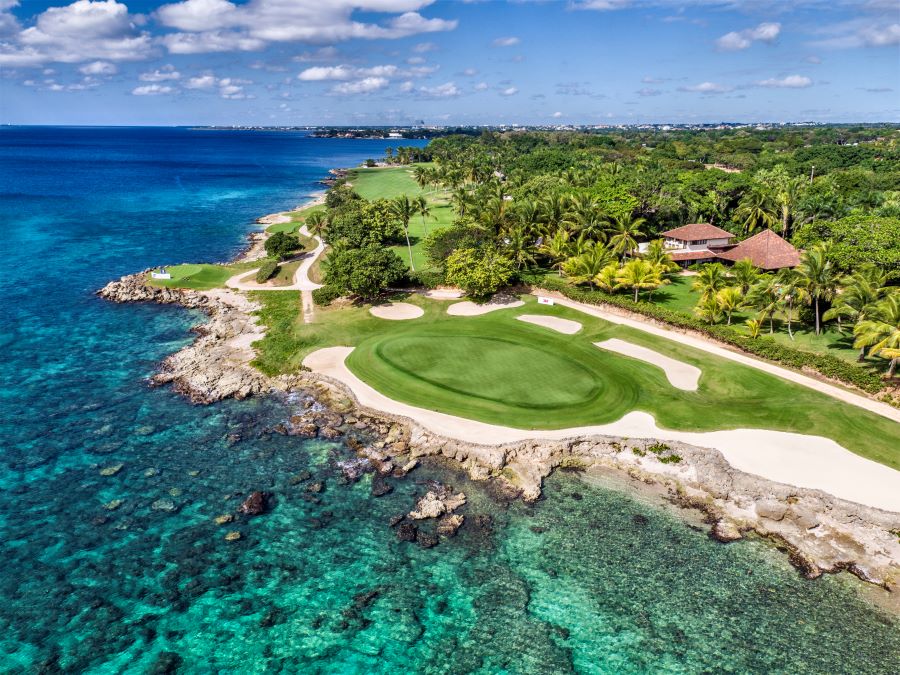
(820, 533)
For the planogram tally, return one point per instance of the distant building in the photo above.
(696, 243)
(765, 250)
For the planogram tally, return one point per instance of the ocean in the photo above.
(128, 572)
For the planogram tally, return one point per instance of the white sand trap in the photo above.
(805, 461)
(566, 326)
(469, 308)
(443, 293)
(396, 311)
(680, 374)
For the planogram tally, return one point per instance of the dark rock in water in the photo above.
(537, 529)
(330, 433)
(640, 520)
(380, 487)
(280, 429)
(426, 539)
(316, 487)
(482, 522)
(363, 600)
(256, 504)
(271, 618)
(166, 664)
(407, 532)
(305, 430)
(300, 477)
(448, 525)
(353, 469)
(311, 498)
(396, 520)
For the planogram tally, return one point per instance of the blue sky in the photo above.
(477, 62)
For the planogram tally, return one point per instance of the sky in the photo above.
(396, 62)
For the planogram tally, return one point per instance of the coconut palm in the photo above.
(753, 327)
(553, 211)
(787, 195)
(881, 331)
(623, 230)
(793, 291)
(708, 309)
(316, 223)
(519, 245)
(556, 248)
(403, 208)
(765, 296)
(820, 278)
(710, 280)
(423, 209)
(528, 215)
(606, 279)
(858, 294)
(757, 209)
(744, 274)
(587, 265)
(422, 176)
(657, 254)
(730, 300)
(639, 275)
(462, 200)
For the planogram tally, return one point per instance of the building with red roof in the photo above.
(765, 250)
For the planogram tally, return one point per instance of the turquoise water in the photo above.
(587, 580)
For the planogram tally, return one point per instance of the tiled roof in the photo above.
(766, 250)
(704, 254)
(697, 231)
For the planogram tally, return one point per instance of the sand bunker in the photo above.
(468, 308)
(396, 311)
(795, 459)
(443, 293)
(680, 374)
(566, 326)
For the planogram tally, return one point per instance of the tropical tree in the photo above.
(606, 278)
(657, 254)
(462, 200)
(744, 274)
(582, 268)
(423, 209)
(623, 230)
(730, 300)
(519, 246)
(753, 327)
(316, 223)
(765, 296)
(881, 331)
(792, 291)
(422, 176)
(858, 294)
(710, 280)
(480, 272)
(639, 275)
(404, 208)
(820, 277)
(708, 309)
(556, 248)
(757, 209)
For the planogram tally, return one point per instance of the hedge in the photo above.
(763, 346)
(325, 296)
(266, 271)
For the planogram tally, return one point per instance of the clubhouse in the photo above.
(704, 243)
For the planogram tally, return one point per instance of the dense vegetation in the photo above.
(575, 206)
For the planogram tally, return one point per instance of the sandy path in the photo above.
(469, 308)
(396, 311)
(301, 276)
(565, 326)
(710, 347)
(680, 374)
(795, 459)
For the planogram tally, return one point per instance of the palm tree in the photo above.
(789, 191)
(587, 265)
(765, 296)
(553, 211)
(556, 248)
(519, 245)
(858, 294)
(753, 326)
(744, 274)
(757, 209)
(389, 153)
(881, 332)
(819, 276)
(316, 223)
(624, 230)
(528, 215)
(709, 309)
(404, 209)
(730, 300)
(639, 275)
(461, 199)
(657, 254)
(606, 279)
(422, 208)
(793, 291)
(710, 280)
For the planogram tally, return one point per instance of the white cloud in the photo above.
(211, 41)
(739, 40)
(226, 87)
(321, 54)
(556, 115)
(860, 33)
(345, 72)
(648, 91)
(788, 82)
(152, 90)
(293, 20)
(167, 72)
(82, 31)
(415, 60)
(364, 86)
(505, 42)
(446, 90)
(509, 91)
(423, 47)
(470, 72)
(706, 88)
(98, 68)
(481, 86)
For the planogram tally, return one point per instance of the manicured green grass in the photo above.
(201, 277)
(496, 369)
(395, 181)
(297, 220)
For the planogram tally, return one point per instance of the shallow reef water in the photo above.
(109, 490)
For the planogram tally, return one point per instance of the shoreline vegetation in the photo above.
(256, 342)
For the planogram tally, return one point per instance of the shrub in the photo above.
(426, 278)
(763, 346)
(281, 243)
(268, 270)
(325, 296)
(479, 272)
(364, 272)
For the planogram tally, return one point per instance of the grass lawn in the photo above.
(201, 277)
(496, 369)
(297, 220)
(395, 181)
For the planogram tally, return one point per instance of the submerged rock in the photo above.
(256, 504)
(164, 505)
(426, 539)
(448, 525)
(234, 535)
(111, 470)
(725, 531)
(407, 532)
(224, 519)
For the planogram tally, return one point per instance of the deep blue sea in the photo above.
(591, 579)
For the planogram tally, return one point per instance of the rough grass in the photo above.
(499, 370)
(395, 181)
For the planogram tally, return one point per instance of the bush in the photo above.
(426, 279)
(268, 270)
(480, 272)
(364, 272)
(764, 347)
(325, 296)
(281, 243)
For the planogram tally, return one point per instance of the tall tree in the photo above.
(730, 300)
(765, 295)
(423, 209)
(556, 248)
(624, 230)
(639, 275)
(757, 209)
(404, 209)
(881, 332)
(857, 296)
(710, 280)
(316, 223)
(820, 277)
(744, 274)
